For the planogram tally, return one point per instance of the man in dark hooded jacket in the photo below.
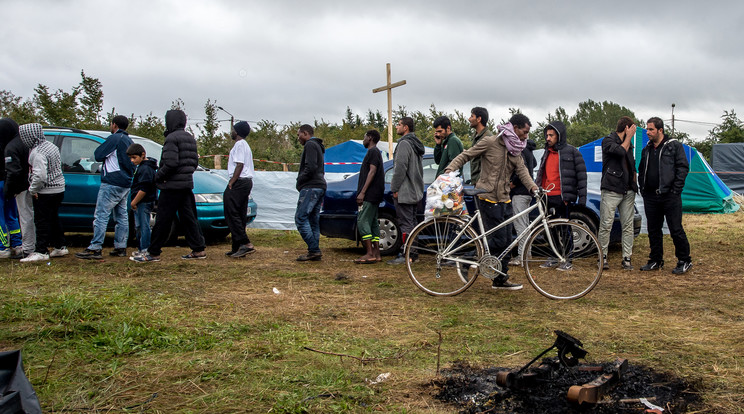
(311, 184)
(407, 184)
(10, 230)
(562, 168)
(175, 180)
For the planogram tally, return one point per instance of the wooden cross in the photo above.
(389, 88)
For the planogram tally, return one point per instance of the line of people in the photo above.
(502, 164)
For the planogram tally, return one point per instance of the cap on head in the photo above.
(242, 129)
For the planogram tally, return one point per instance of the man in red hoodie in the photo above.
(562, 168)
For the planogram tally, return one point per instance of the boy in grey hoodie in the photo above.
(47, 187)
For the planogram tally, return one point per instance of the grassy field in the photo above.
(212, 336)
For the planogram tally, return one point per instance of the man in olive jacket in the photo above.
(478, 121)
(175, 180)
(499, 161)
(407, 184)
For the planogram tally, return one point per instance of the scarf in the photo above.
(513, 144)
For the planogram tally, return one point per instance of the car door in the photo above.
(82, 181)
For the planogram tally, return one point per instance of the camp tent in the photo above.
(704, 192)
(728, 162)
(347, 157)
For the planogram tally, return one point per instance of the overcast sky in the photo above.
(301, 61)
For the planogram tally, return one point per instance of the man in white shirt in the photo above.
(240, 172)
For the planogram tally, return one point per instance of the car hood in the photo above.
(209, 181)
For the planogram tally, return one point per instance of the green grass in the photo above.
(212, 336)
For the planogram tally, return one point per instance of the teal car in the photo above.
(83, 179)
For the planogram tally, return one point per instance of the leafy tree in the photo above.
(91, 102)
(730, 130)
(149, 126)
(14, 107)
(59, 107)
(210, 140)
(594, 120)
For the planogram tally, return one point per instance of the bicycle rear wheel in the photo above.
(436, 272)
(574, 276)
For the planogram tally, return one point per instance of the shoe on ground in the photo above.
(195, 255)
(652, 265)
(89, 254)
(20, 255)
(230, 253)
(138, 253)
(118, 252)
(515, 262)
(35, 257)
(626, 264)
(243, 250)
(505, 285)
(564, 267)
(682, 267)
(5, 254)
(145, 258)
(310, 257)
(605, 263)
(549, 263)
(62, 251)
(399, 260)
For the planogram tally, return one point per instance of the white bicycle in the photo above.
(562, 259)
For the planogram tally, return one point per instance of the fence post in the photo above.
(217, 162)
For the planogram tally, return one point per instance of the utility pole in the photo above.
(673, 118)
(232, 118)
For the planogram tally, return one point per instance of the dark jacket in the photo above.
(179, 158)
(673, 166)
(571, 166)
(312, 165)
(144, 179)
(116, 169)
(530, 162)
(618, 166)
(14, 163)
(408, 169)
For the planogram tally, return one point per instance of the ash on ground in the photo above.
(474, 390)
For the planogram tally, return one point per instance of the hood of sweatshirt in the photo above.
(561, 129)
(320, 142)
(175, 119)
(416, 143)
(150, 162)
(8, 131)
(31, 134)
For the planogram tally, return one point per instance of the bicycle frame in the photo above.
(541, 219)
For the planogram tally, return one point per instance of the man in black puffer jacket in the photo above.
(175, 180)
(563, 168)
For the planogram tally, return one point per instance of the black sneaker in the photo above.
(652, 265)
(626, 264)
(118, 252)
(682, 267)
(89, 254)
(243, 250)
(310, 257)
(505, 285)
(230, 253)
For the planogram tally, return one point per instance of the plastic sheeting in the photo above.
(728, 163)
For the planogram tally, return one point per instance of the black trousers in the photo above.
(46, 219)
(236, 210)
(494, 214)
(171, 202)
(563, 237)
(669, 206)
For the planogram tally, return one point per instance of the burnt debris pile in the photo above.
(562, 385)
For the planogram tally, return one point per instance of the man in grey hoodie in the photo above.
(47, 187)
(407, 184)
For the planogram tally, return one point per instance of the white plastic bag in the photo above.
(444, 196)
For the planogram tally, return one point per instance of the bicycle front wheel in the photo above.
(439, 262)
(569, 267)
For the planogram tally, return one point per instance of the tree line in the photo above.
(82, 107)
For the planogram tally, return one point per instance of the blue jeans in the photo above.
(307, 217)
(112, 200)
(142, 224)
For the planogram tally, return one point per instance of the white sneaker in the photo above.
(35, 257)
(59, 252)
(138, 253)
(5, 254)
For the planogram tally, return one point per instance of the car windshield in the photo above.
(152, 148)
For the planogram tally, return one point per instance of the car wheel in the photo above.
(582, 241)
(390, 237)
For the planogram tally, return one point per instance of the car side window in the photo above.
(77, 155)
(430, 171)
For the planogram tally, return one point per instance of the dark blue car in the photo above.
(339, 213)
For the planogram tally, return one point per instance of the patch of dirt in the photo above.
(474, 390)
